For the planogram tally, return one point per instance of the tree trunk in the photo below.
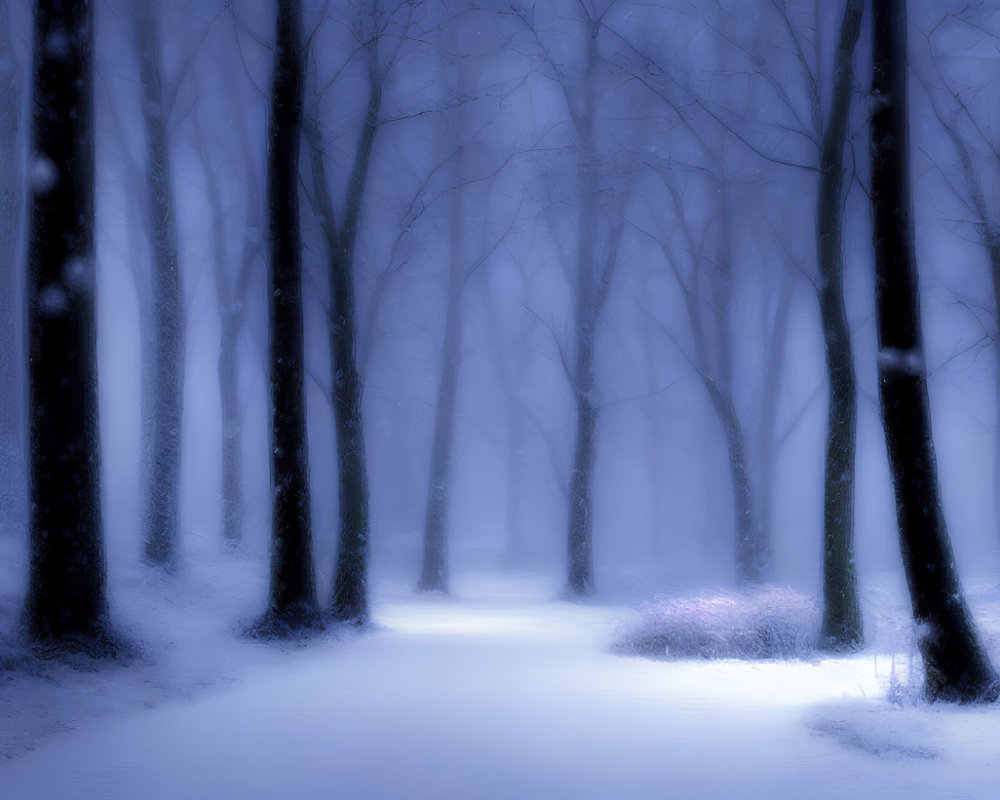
(580, 578)
(232, 439)
(842, 626)
(751, 555)
(516, 550)
(161, 495)
(11, 358)
(66, 605)
(350, 589)
(776, 345)
(753, 547)
(231, 324)
(580, 572)
(656, 437)
(434, 572)
(714, 367)
(293, 605)
(956, 666)
(515, 553)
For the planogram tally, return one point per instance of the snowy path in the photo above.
(510, 697)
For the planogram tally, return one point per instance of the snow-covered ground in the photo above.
(499, 693)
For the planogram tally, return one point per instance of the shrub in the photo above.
(766, 622)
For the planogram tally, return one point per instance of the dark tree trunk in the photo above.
(350, 589)
(11, 359)
(842, 627)
(293, 605)
(161, 494)
(956, 666)
(66, 605)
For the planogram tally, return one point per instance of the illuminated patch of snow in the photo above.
(497, 693)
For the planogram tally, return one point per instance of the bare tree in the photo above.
(434, 568)
(66, 604)
(824, 135)
(232, 281)
(956, 666)
(166, 395)
(579, 87)
(813, 144)
(340, 233)
(465, 211)
(587, 307)
(11, 178)
(706, 286)
(700, 244)
(510, 366)
(842, 626)
(293, 605)
(967, 125)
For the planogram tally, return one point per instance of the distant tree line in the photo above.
(625, 166)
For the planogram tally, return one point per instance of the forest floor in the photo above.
(500, 692)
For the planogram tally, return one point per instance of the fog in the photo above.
(711, 94)
(659, 160)
(661, 492)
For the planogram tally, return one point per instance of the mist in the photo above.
(662, 499)
(580, 244)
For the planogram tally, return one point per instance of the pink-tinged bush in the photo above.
(767, 622)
